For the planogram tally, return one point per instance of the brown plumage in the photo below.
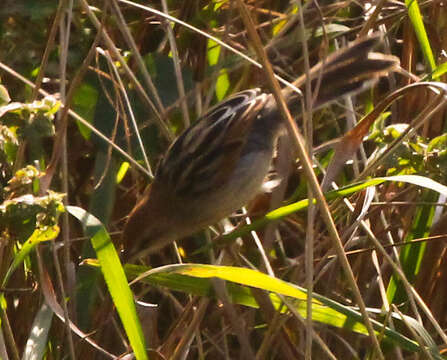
(219, 163)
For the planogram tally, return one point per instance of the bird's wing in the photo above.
(203, 157)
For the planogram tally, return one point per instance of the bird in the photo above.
(219, 163)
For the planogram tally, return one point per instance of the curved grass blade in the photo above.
(38, 236)
(419, 329)
(115, 278)
(284, 211)
(36, 344)
(196, 279)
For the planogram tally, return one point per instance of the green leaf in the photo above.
(222, 85)
(122, 171)
(223, 82)
(411, 256)
(280, 25)
(39, 235)
(115, 279)
(418, 24)
(85, 100)
(4, 96)
(440, 70)
(36, 344)
(331, 29)
(101, 205)
(161, 68)
(196, 279)
(213, 52)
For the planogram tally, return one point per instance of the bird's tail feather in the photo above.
(346, 71)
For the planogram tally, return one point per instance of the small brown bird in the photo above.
(219, 163)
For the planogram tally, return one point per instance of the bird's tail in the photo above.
(346, 71)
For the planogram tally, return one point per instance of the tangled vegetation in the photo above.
(91, 95)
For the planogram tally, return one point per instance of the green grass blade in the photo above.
(38, 236)
(284, 211)
(36, 344)
(223, 81)
(115, 278)
(439, 71)
(411, 256)
(196, 279)
(418, 24)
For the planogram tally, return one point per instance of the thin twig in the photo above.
(310, 233)
(49, 47)
(141, 65)
(138, 87)
(129, 109)
(177, 69)
(65, 26)
(77, 117)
